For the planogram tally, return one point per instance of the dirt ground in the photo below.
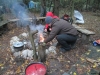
(56, 65)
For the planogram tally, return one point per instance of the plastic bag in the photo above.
(78, 16)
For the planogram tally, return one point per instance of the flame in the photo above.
(41, 37)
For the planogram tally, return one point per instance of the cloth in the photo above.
(66, 41)
(60, 26)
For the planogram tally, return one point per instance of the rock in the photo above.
(51, 49)
(65, 73)
(17, 54)
(27, 54)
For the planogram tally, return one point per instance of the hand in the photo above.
(45, 30)
(50, 29)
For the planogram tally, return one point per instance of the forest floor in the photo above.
(56, 65)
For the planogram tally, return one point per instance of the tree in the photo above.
(56, 7)
(72, 9)
(43, 8)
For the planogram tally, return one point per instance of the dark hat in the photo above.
(48, 19)
(66, 15)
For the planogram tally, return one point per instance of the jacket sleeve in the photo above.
(55, 30)
(46, 26)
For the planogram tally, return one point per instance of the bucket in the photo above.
(35, 69)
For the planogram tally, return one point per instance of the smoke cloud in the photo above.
(20, 11)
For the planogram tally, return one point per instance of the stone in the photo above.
(65, 73)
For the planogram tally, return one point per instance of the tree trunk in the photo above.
(72, 9)
(43, 8)
(87, 1)
(56, 7)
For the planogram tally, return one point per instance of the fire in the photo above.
(41, 37)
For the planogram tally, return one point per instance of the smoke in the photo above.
(39, 27)
(18, 9)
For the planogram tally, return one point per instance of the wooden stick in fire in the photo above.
(31, 34)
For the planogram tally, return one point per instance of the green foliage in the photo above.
(81, 4)
(78, 4)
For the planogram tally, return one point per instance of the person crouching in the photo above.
(65, 33)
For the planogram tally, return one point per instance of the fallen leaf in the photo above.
(95, 65)
(89, 50)
(87, 53)
(74, 73)
(18, 70)
(98, 50)
(1, 65)
(82, 59)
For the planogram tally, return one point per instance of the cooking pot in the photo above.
(18, 46)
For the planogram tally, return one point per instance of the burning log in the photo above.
(31, 34)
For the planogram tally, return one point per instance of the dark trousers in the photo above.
(66, 41)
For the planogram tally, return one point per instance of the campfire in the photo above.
(41, 37)
(31, 45)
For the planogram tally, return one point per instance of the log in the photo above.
(38, 18)
(85, 33)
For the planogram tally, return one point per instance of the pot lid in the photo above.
(18, 44)
(35, 69)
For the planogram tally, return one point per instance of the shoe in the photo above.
(73, 47)
(62, 50)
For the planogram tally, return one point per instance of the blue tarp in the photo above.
(31, 4)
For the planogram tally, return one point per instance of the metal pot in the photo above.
(18, 46)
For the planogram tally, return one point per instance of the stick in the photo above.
(31, 34)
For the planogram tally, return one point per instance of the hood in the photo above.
(50, 14)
